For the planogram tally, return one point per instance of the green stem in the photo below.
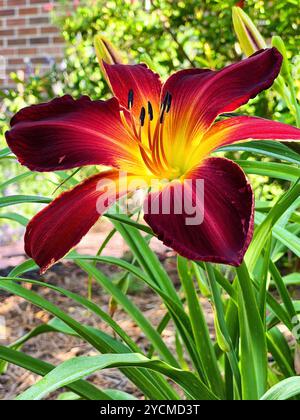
(253, 339)
(203, 342)
(262, 296)
(103, 245)
(219, 313)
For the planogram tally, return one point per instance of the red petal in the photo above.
(199, 96)
(247, 128)
(61, 225)
(145, 84)
(67, 133)
(226, 231)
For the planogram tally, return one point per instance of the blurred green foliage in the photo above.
(172, 33)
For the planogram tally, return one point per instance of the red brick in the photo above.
(7, 32)
(54, 51)
(7, 12)
(38, 20)
(17, 2)
(15, 61)
(49, 30)
(7, 51)
(27, 31)
(29, 11)
(40, 40)
(38, 1)
(40, 60)
(16, 22)
(16, 41)
(27, 51)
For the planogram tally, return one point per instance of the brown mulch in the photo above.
(21, 317)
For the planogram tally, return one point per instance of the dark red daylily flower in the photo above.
(151, 130)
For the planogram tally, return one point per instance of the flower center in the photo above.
(149, 133)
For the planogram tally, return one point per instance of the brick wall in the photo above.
(27, 37)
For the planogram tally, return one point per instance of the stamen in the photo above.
(148, 162)
(149, 133)
(161, 146)
(166, 99)
(130, 99)
(166, 104)
(150, 111)
(142, 116)
(169, 101)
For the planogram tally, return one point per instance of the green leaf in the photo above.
(262, 232)
(80, 367)
(101, 342)
(15, 180)
(80, 387)
(116, 394)
(147, 259)
(68, 396)
(292, 279)
(263, 281)
(284, 390)
(270, 169)
(93, 308)
(5, 152)
(177, 312)
(128, 221)
(22, 268)
(15, 217)
(180, 318)
(203, 342)
(129, 307)
(222, 331)
(273, 149)
(283, 292)
(253, 341)
(291, 241)
(281, 352)
(21, 199)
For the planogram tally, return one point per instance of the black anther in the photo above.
(142, 116)
(150, 111)
(130, 99)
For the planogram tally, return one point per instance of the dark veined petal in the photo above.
(66, 133)
(199, 96)
(61, 225)
(144, 84)
(246, 128)
(227, 213)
